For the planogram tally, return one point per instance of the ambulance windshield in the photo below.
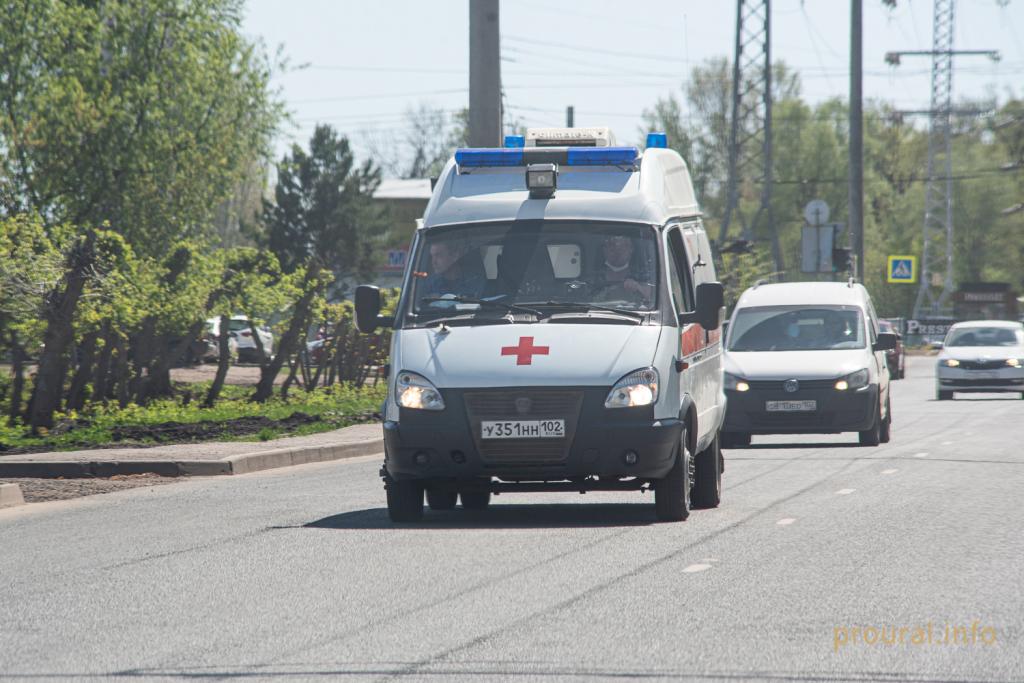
(577, 264)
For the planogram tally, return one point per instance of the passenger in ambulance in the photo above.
(621, 277)
(453, 272)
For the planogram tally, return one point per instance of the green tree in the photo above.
(143, 115)
(322, 209)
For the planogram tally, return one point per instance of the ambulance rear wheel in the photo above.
(405, 500)
(707, 477)
(672, 494)
(475, 500)
(441, 500)
(735, 439)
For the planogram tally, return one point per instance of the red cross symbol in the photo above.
(525, 352)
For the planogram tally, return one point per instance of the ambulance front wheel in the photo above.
(672, 493)
(405, 500)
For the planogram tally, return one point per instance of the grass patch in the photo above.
(184, 420)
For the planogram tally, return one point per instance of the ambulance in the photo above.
(558, 330)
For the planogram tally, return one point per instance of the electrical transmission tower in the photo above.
(750, 139)
(936, 285)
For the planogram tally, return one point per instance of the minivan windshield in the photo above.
(797, 328)
(985, 336)
(523, 267)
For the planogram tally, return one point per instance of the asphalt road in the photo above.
(298, 574)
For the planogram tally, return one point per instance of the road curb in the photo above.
(10, 495)
(234, 464)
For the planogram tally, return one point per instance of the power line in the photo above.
(600, 51)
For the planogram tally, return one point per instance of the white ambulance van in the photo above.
(558, 330)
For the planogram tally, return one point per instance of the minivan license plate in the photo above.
(790, 406)
(523, 429)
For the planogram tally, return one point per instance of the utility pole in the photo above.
(937, 285)
(570, 117)
(856, 214)
(750, 137)
(484, 74)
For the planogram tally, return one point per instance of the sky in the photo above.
(360, 66)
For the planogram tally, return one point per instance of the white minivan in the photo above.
(807, 358)
(558, 330)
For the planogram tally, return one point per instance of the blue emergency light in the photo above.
(657, 140)
(483, 157)
(515, 141)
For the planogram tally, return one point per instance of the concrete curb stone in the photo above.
(241, 463)
(10, 495)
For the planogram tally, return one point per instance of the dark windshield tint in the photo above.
(984, 336)
(533, 261)
(797, 328)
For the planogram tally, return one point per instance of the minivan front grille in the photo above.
(803, 384)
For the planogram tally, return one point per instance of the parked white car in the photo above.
(243, 343)
(981, 356)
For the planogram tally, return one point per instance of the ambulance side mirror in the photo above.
(368, 317)
(710, 306)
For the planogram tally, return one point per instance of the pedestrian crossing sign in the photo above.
(902, 269)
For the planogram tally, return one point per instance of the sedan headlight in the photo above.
(638, 388)
(415, 391)
(734, 383)
(1014, 362)
(951, 363)
(855, 380)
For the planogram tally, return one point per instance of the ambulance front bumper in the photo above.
(598, 441)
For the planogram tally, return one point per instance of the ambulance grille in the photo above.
(523, 404)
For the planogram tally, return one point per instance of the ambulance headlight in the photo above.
(638, 388)
(415, 391)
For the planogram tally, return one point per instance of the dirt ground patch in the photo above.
(40, 490)
(242, 375)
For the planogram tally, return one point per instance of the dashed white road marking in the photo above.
(890, 471)
(785, 521)
(693, 568)
(921, 455)
(845, 492)
(947, 443)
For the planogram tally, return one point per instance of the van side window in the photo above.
(682, 286)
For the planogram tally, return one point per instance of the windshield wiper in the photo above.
(467, 318)
(586, 308)
(483, 302)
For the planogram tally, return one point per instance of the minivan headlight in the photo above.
(417, 392)
(855, 380)
(734, 383)
(1014, 362)
(638, 388)
(951, 362)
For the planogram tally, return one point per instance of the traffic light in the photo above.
(840, 260)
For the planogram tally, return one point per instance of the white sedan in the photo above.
(981, 356)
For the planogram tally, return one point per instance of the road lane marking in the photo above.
(696, 568)
(785, 521)
(890, 471)
(947, 443)
(845, 492)
(921, 455)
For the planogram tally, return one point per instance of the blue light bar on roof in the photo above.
(657, 140)
(601, 156)
(479, 157)
(515, 141)
(483, 157)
